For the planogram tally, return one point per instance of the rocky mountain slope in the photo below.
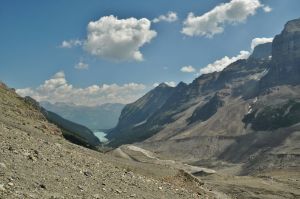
(205, 93)
(37, 162)
(96, 118)
(247, 114)
(72, 131)
(135, 115)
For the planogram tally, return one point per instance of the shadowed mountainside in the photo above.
(72, 131)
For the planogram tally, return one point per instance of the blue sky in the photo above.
(32, 33)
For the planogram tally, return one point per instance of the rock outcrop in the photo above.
(285, 65)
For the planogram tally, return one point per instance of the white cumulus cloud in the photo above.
(267, 8)
(169, 17)
(81, 65)
(222, 63)
(57, 89)
(213, 22)
(188, 69)
(118, 39)
(257, 41)
(71, 43)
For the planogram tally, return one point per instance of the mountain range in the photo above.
(247, 114)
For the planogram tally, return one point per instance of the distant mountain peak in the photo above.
(285, 62)
(292, 26)
(262, 51)
(163, 85)
(181, 84)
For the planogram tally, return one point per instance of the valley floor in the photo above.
(224, 183)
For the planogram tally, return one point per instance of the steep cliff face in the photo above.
(285, 65)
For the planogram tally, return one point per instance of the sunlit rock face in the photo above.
(285, 66)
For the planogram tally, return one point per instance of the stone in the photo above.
(80, 187)
(118, 191)
(87, 173)
(2, 187)
(31, 157)
(96, 196)
(43, 186)
(2, 165)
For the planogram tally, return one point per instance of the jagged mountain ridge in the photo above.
(206, 120)
(135, 115)
(238, 78)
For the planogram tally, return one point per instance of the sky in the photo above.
(103, 51)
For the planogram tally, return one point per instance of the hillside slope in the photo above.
(72, 131)
(36, 162)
